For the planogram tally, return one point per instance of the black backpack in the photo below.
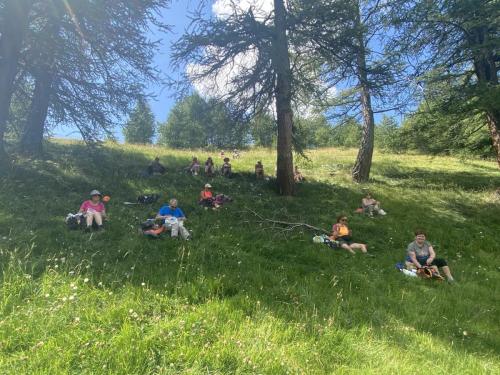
(75, 222)
(148, 199)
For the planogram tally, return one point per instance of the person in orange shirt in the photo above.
(207, 199)
(342, 234)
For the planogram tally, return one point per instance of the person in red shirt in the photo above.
(94, 210)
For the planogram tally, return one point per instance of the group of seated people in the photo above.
(419, 253)
(194, 167)
(259, 172)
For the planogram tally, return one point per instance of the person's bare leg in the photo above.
(98, 218)
(360, 246)
(447, 273)
(89, 217)
(348, 248)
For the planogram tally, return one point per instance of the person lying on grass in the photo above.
(194, 167)
(173, 219)
(420, 253)
(156, 167)
(371, 206)
(259, 170)
(297, 175)
(226, 168)
(342, 234)
(209, 167)
(93, 210)
(207, 199)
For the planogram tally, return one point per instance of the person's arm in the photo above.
(335, 231)
(83, 208)
(414, 260)
(432, 255)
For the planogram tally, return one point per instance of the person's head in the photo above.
(208, 186)
(173, 203)
(342, 219)
(368, 195)
(226, 160)
(95, 196)
(195, 159)
(157, 159)
(296, 167)
(420, 236)
(209, 158)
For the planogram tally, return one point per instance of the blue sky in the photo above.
(177, 17)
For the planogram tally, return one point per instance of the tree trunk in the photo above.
(361, 169)
(12, 32)
(32, 139)
(283, 92)
(485, 68)
(493, 118)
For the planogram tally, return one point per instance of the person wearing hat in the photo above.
(207, 199)
(93, 210)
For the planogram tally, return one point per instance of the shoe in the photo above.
(382, 212)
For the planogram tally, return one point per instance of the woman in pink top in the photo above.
(94, 210)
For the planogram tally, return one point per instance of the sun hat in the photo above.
(208, 186)
(95, 192)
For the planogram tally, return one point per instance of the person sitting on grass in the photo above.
(194, 167)
(156, 167)
(342, 234)
(371, 206)
(259, 170)
(209, 167)
(297, 175)
(420, 253)
(226, 168)
(207, 199)
(173, 219)
(94, 211)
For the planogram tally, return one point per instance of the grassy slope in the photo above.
(241, 298)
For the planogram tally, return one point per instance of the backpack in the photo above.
(75, 221)
(148, 224)
(429, 273)
(148, 199)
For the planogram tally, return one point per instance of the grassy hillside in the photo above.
(243, 298)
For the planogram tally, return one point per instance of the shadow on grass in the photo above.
(234, 258)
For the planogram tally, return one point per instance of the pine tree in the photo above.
(140, 128)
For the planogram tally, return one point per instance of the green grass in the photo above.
(242, 298)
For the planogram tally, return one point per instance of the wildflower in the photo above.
(143, 284)
(47, 295)
(72, 297)
(86, 280)
(77, 319)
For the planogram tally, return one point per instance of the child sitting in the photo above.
(194, 167)
(226, 168)
(259, 170)
(371, 206)
(209, 167)
(93, 210)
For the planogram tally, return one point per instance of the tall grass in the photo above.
(242, 298)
